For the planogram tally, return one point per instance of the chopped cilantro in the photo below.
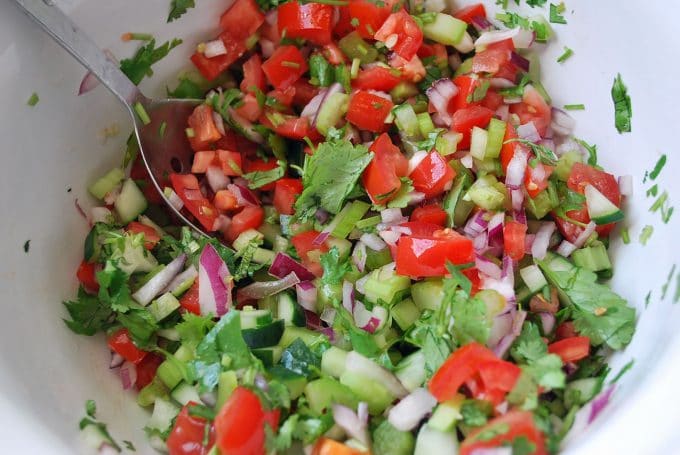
(27, 246)
(178, 8)
(193, 328)
(658, 167)
(479, 92)
(88, 315)
(139, 66)
(591, 149)
(33, 100)
(91, 420)
(543, 153)
(623, 110)
(626, 368)
(664, 288)
(565, 55)
(129, 445)
(258, 179)
(320, 71)
(556, 16)
(575, 107)
(475, 413)
(334, 268)
(91, 408)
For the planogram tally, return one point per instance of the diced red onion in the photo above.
(547, 322)
(439, 94)
(128, 375)
(214, 48)
(504, 345)
(272, 16)
(188, 274)
(283, 265)
(90, 81)
(566, 248)
(321, 215)
(562, 123)
(312, 108)
(359, 256)
(476, 224)
(159, 281)
(323, 235)
(626, 185)
(312, 320)
(357, 363)
(216, 178)
(116, 360)
(111, 196)
(221, 224)
(416, 159)
(306, 295)
(414, 407)
(365, 319)
(528, 132)
(481, 23)
(262, 289)
(349, 421)
(480, 242)
(495, 229)
(498, 82)
(585, 235)
(249, 130)
(540, 247)
(106, 449)
(600, 402)
(214, 283)
(501, 327)
(521, 38)
(520, 216)
(519, 61)
(244, 197)
(488, 267)
(348, 296)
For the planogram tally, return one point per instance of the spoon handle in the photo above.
(78, 44)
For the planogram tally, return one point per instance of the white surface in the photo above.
(47, 373)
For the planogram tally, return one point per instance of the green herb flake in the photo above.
(658, 167)
(543, 154)
(625, 235)
(648, 299)
(653, 190)
(27, 246)
(186, 89)
(33, 100)
(178, 8)
(258, 179)
(626, 368)
(565, 55)
(479, 92)
(660, 201)
(591, 149)
(646, 233)
(130, 446)
(664, 288)
(139, 66)
(556, 12)
(575, 107)
(623, 110)
(676, 296)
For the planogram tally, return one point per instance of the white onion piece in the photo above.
(116, 360)
(348, 296)
(365, 319)
(391, 216)
(216, 178)
(160, 281)
(493, 451)
(413, 408)
(440, 93)
(359, 256)
(332, 90)
(566, 248)
(390, 237)
(267, 47)
(416, 159)
(219, 123)
(106, 449)
(626, 185)
(373, 241)
(306, 295)
(521, 38)
(516, 168)
(360, 284)
(547, 322)
(503, 112)
(502, 326)
(466, 44)
(328, 315)
(488, 267)
(528, 132)
(189, 273)
(214, 48)
(247, 127)
(173, 199)
(466, 160)
(359, 364)
(272, 16)
(583, 236)
(349, 421)
(562, 123)
(540, 247)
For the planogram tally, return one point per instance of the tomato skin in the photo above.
(409, 34)
(436, 50)
(368, 16)
(310, 21)
(248, 218)
(571, 349)
(432, 175)
(465, 119)
(187, 188)
(514, 238)
(253, 77)
(493, 58)
(121, 343)
(284, 67)
(242, 19)
(189, 301)
(250, 108)
(304, 92)
(376, 78)
(151, 237)
(509, 147)
(493, 100)
(285, 193)
(461, 365)
(205, 131)
(292, 127)
(470, 12)
(239, 426)
(466, 87)
(146, 370)
(517, 424)
(186, 437)
(87, 277)
(499, 375)
(210, 68)
(368, 111)
(411, 70)
(381, 177)
(432, 213)
(428, 256)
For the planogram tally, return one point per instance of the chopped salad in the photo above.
(409, 251)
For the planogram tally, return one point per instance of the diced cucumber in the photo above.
(464, 68)
(494, 301)
(411, 371)
(170, 373)
(566, 162)
(406, 119)
(387, 440)
(107, 183)
(184, 353)
(600, 209)
(346, 220)
(478, 141)
(332, 111)
(324, 392)
(540, 205)
(244, 239)
(295, 383)
(425, 125)
(185, 393)
(428, 294)
(354, 46)
(445, 29)
(292, 333)
(533, 277)
(344, 246)
(403, 91)
(581, 391)
(376, 395)
(405, 313)
(164, 306)
(446, 415)
(252, 318)
(377, 259)
(130, 203)
(164, 412)
(447, 143)
(494, 141)
(593, 258)
(289, 310)
(486, 194)
(453, 202)
(153, 390)
(268, 356)
(385, 285)
(435, 442)
(333, 361)
(226, 383)
(264, 336)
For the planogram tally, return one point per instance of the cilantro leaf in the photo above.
(329, 176)
(258, 179)
(598, 312)
(88, 315)
(113, 288)
(402, 197)
(193, 329)
(300, 359)
(530, 351)
(475, 413)
(140, 324)
(90, 420)
(469, 319)
(334, 268)
(139, 66)
(178, 8)
(623, 110)
(186, 89)
(591, 149)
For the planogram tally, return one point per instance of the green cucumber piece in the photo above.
(593, 258)
(346, 220)
(263, 256)
(253, 319)
(431, 441)
(344, 246)
(403, 91)
(478, 142)
(425, 124)
(289, 311)
(331, 112)
(377, 259)
(445, 29)
(164, 413)
(324, 392)
(169, 373)
(295, 383)
(411, 370)
(384, 285)
(164, 306)
(540, 205)
(464, 68)
(387, 440)
(428, 294)
(376, 395)
(581, 391)
(445, 416)
(600, 209)
(268, 356)
(494, 141)
(152, 391)
(333, 361)
(130, 203)
(565, 163)
(486, 194)
(226, 383)
(265, 336)
(406, 119)
(292, 333)
(185, 393)
(107, 183)
(405, 313)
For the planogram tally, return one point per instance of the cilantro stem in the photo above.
(575, 107)
(141, 113)
(136, 37)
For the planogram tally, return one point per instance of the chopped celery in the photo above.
(366, 389)
(164, 306)
(386, 286)
(533, 277)
(406, 119)
(405, 313)
(411, 370)
(354, 70)
(565, 163)
(333, 361)
(346, 220)
(331, 112)
(425, 124)
(447, 144)
(184, 354)
(428, 294)
(445, 29)
(354, 46)
(244, 239)
(478, 142)
(593, 258)
(170, 373)
(185, 393)
(131, 202)
(107, 183)
(494, 142)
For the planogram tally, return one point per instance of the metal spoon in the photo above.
(162, 153)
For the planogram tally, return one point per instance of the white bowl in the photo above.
(53, 150)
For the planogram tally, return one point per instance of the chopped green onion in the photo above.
(162, 128)
(565, 55)
(556, 13)
(33, 100)
(646, 234)
(660, 201)
(575, 107)
(354, 71)
(625, 235)
(653, 191)
(664, 288)
(658, 167)
(143, 115)
(190, 132)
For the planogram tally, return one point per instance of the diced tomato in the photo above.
(491, 59)
(421, 229)
(203, 159)
(240, 424)
(285, 193)
(87, 277)
(146, 370)
(499, 375)
(368, 17)
(234, 141)
(514, 237)
(510, 146)
(465, 119)
(432, 213)
(571, 349)
(250, 108)
(408, 33)
(283, 97)
(262, 166)
(376, 78)
(472, 274)
(242, 19)
(327, 446)
(309, 21)
(230, 162)
(433, 175)
(503, 430)
(368, 111)
(536, 178)
(151, 237)
(344, 25)
(304, 92)
(466, 87)
(202, 123)
(308, 251)
(187, 188)
(493, 100)
(460, 366)
(284, 67)
(470, 12)
(121, 343)
(436, 50)
(189, 301)
(225, 200)
(428, 256)
(253, 77)
(381, 179)
(533, 108)
(292, 127)
(212, 67)
(188, 434)
(565, 330)
(411, 70)
(248, 218)
(333, 54)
